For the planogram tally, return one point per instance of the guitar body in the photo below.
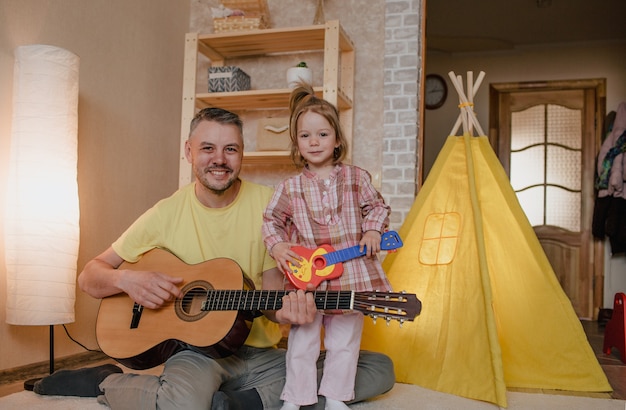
(313, 268)
(324, 263)
(157, 334)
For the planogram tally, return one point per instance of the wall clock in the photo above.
(436, 91)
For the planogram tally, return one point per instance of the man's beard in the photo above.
(217, 190)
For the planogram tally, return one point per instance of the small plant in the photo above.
(300, 73)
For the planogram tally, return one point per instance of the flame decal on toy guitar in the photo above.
(324, 262)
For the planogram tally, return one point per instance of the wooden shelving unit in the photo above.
(338, 86)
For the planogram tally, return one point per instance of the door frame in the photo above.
(498, 95)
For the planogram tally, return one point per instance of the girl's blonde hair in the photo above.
(303, 99)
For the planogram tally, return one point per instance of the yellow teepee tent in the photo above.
(493, 313)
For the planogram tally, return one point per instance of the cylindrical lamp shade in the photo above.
(42, 214)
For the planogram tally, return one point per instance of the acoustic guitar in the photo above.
(325, 263)
(214, 315)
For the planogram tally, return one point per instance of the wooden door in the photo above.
(546, 137)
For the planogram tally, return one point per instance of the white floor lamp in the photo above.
(42, 213)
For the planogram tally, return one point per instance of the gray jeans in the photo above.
(190, 379)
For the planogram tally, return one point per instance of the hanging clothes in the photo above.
(609, 216)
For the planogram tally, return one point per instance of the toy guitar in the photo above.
(324, 262)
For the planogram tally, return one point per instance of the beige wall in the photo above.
(129, 124)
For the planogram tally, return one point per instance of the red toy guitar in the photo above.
(324, 262)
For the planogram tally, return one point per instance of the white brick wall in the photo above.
(402, 72)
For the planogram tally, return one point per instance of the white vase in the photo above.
(297, 75)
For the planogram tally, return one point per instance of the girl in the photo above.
(332, 203)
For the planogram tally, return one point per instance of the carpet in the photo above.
(401, 397)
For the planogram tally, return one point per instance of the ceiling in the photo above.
(464, 26)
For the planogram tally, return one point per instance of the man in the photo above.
(219, 215)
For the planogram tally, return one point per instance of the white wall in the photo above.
(614, 275)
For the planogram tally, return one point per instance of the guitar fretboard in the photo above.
(272, 300)
(389, 241)
(343, 255)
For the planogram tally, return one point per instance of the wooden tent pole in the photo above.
(475, 87)
(465, 105)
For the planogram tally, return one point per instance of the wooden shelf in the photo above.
(267, 157)
(262, 42)
(259, 99)
(338, 86)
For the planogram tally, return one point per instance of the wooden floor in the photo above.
(614, 368)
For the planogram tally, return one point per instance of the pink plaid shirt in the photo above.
(311, 212)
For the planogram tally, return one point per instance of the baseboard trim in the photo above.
(41, 369)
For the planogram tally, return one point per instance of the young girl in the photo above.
(328, 203)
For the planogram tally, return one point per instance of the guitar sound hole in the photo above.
(189, 307)
(319, 262)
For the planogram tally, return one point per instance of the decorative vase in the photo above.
(319, 13)
(297, 75)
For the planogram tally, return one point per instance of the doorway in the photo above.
(546, 135)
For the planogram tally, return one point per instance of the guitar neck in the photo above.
(389, 241)
(272, 300)
(388, 305)
(343, 255)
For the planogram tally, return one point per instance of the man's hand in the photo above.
(150, 289)
(101, 278)
(298, 308)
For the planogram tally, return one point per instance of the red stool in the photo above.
(615, 331)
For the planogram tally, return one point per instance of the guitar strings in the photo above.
(385, 303)
(217, 299)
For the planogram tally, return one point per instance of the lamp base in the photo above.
(30, 383)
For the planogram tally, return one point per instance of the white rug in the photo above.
(401, 397)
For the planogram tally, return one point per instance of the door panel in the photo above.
(546, 139)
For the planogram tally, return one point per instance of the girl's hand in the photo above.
(371, 241)
(282, 253)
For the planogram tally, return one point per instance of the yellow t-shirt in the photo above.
(194, 233)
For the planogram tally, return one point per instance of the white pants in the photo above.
(342, 341)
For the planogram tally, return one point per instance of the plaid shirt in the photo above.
(312, 212)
